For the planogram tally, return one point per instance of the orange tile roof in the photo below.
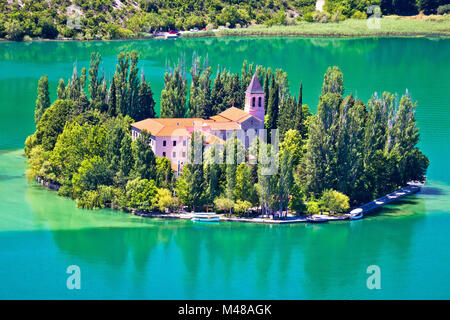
(235, 114)
(166, 127)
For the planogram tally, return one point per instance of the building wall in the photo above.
(256, 110)
(175, 153)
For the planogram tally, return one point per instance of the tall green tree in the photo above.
(145, 107)
(43, 99)
(144, 158)
(272, 106)
(173, 96)
(61, 89)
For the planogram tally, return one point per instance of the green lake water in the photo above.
(123, 256)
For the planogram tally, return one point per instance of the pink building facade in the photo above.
(170, 137)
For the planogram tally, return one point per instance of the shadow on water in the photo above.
(432, 191)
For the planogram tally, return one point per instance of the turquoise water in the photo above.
(123, 256)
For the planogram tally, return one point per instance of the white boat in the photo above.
(205, 217)
(356, 214)
(171, 35)
(316, 219)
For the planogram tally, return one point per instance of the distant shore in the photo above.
(392, 26)
(388, 26)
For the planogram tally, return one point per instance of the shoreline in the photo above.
(350, 28)
(302, 218)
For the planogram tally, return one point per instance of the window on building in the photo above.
(259, 102)
(184, 154)
(184, 143)
(164, 143)
(253, 101)
(174, 143)
(164, 154)
(174, 154)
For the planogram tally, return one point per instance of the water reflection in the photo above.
(239, 260)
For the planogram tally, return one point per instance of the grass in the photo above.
(389, 26)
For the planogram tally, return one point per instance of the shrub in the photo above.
(445, 9)
(163, 199)
(141, 194)
(14, 30)
(90, 200)
(312, 207)
(334, 201)
(224, 204)
(241, 207)
(359, 15)
(308, 17)
(322, 17)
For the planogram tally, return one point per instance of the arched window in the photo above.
(259, 102)
(253, 101)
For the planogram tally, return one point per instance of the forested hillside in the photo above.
(116, 19)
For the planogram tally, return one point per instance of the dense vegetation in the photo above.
(111, 19)
(344, 155)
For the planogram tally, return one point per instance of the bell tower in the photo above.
(254, 99)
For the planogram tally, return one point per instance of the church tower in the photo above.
(254, 99)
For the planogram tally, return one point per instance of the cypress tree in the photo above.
(173, 96)
(272, 106)
(43, 99)
(133, 87)
(126, 155)
(61, 89)
(145, 107)
(218, 95)
(194, 171)
(94, 82)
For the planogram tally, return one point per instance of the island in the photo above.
(237, 143)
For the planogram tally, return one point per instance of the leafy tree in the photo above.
(191, 185)
(92, 173)
(14, 30)
(334, 201)
(173, 96)
(75, 144)
(224, 204)
(163, 199)
(145, 162)
(43, 99)
(213, 172)
(164, 172)
(245, 189)
(51, 125)
(312, 207)
(241, 207)
(141, 194)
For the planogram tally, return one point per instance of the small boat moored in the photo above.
(205, 217)
(171, 35)
(356, 214)
(316, 219)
